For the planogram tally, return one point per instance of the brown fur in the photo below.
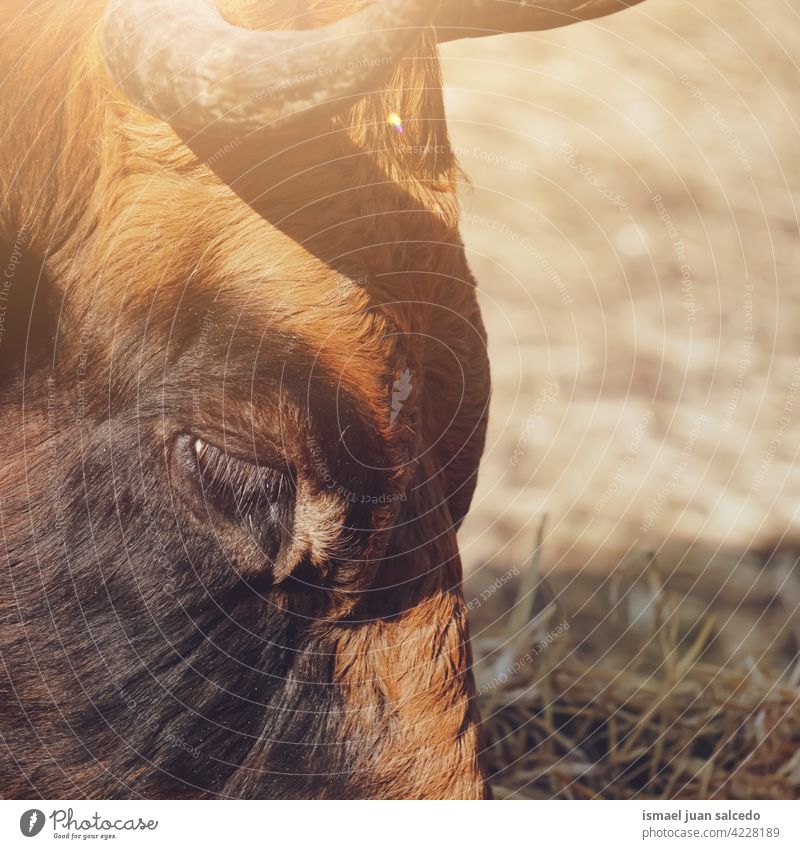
(345, 246)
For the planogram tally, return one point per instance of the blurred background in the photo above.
(632, 217)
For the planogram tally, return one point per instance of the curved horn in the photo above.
(457, 19)
(182, 62)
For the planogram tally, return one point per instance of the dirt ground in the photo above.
(632, 218)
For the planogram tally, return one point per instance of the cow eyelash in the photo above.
(237, 487)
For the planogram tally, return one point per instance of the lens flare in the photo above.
(396, 121)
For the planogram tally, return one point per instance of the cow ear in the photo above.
(29, 306)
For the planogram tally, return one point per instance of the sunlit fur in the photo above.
(152, 649)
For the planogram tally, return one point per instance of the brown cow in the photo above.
(244, 393)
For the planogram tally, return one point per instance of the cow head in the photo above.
(245, 388)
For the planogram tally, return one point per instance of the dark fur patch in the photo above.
(144, 665)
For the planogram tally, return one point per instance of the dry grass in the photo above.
(591, 732)
(629, 700)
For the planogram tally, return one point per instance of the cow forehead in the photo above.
(335, 322)
(364, 313)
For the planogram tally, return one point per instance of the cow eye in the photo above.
(243, 491)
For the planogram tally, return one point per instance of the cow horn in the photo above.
(182, 62)
(457, 19)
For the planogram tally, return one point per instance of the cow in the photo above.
(244, 397)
